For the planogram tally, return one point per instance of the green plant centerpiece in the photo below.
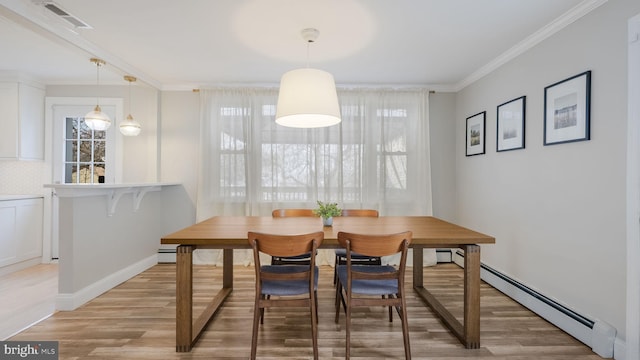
(327, 211)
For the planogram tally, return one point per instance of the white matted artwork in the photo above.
(566, 110)
(476, 134)
(511, 125)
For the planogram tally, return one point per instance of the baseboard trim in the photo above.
(71, 301)
(598, 335)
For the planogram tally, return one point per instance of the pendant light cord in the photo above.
(98, 81)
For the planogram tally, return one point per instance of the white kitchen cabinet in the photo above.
(22, 121)
(20, 230)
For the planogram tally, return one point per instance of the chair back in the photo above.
(285, 245)
(360, 212)
(292, 213)
(376, 245)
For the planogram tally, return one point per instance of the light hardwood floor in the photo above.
(27, 296)
(136, 320)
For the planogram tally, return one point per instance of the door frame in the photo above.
(632, 342)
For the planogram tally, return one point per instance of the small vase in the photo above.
(327, 221)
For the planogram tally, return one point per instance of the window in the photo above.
(85, 153)
(378, 155)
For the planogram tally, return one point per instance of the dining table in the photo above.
(230, 232)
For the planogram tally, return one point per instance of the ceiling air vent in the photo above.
(64, 15)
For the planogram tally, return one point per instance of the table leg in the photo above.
(184, 297)
(227, 268)
(472, 296)
(417, 267)
(468, 332)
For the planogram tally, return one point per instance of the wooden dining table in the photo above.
(230, 232)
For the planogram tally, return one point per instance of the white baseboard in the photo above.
(71, 301)
(598, 335)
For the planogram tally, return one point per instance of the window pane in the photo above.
(85, 132)
(70, 173)
(85, 174)
(99, 151)
(85, 151)
(70, 150)
(71, 128)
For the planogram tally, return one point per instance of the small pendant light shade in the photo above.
(96, 120)
(307, 99)
(130, 127)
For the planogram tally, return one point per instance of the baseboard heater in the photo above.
(600, 336)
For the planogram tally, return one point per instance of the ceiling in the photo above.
(172, 45)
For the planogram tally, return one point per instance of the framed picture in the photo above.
(510, 129)
(566, 110)
(475, 134)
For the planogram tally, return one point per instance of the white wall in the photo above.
(442, 129)
(180, 139)
(557, 212)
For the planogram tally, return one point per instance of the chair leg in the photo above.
(348, 329)
(257, 314)
(314, 324)
(405, 330)
(338, 300)
(335, 270)
(315, 296)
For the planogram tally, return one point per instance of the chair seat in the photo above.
(287, 288)
(369, 287)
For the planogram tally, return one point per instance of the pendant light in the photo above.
(97, 120)
(307, 97)
(130, 127)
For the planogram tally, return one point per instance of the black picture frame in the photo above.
(510, 129)
(475, 137)
(567, 111)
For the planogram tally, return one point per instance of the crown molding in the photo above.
(550, 29)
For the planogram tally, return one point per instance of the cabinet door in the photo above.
(31, 109)
(8, 238)
(8, 120)
(29, 229)
(20, 230)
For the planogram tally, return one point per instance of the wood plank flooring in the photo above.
(136, 320)
(27, 296)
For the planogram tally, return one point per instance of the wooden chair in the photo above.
(285, 285)
(341, 254)
(373, 285)
(292, 260)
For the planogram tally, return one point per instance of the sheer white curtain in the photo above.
(377, 157)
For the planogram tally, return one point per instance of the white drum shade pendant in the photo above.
(96, 120)
(307, 97)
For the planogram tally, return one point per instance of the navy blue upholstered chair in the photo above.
(371, 285)
(285, 285)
